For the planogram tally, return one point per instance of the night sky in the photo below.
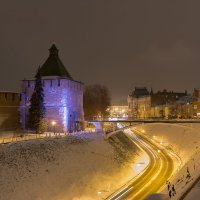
(118, 43)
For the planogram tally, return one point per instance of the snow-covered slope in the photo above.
(75, 167)
(184, 140)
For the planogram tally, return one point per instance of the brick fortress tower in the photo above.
(63, 96)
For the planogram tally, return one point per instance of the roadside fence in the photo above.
(30, 136)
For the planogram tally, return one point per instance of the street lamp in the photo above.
(53, 123)
(139, 167)
(101, 193)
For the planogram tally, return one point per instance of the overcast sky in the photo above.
(118, 43)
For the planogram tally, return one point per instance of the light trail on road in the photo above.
(154, 176)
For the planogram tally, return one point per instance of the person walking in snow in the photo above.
(168, 186)
(173, 190)
(170, 194)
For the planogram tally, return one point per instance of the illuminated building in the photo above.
(162, 104)
(170, 104)
(139, 103)
(118, 111)
(63, 96)
(196, 102)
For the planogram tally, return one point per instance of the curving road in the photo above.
(155, 175)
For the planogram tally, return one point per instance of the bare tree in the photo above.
(96, 100)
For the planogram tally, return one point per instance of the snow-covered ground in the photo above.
(184, 140)
(74, 167)
(89, 167)
(194, 193)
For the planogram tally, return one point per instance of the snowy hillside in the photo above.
(184, 140)
(75, 167)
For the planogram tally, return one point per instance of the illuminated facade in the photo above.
(196, 102)
(63, 96)
(139, 103)
(165, 104)
(118, 111)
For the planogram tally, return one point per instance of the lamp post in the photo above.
(53, 123)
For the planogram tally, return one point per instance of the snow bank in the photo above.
(184, 140)
(76, 167)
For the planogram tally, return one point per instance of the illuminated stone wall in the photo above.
(63, 102)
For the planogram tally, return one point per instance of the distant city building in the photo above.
(139, 103)
(9, 115)
(165, 97)
(185, 107)
(196, 102)
(63, 96)
(118, 111)
(196, 94)
(165, 104)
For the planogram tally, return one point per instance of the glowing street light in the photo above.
(53, 123)
(140, 164)
(139, 167)
(102, 193)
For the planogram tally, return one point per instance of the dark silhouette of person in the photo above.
(168, 186)
(173, 189)
(170, 194)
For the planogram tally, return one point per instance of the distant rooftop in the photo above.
(140, 91)
(53, 66)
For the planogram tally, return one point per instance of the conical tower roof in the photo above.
(53, 66)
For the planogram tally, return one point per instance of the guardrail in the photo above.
(149, 121)
(28, 136)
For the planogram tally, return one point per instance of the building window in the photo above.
(28, 83)
(58, 82)
(51, 83)
(43, 83)
(195, 107)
